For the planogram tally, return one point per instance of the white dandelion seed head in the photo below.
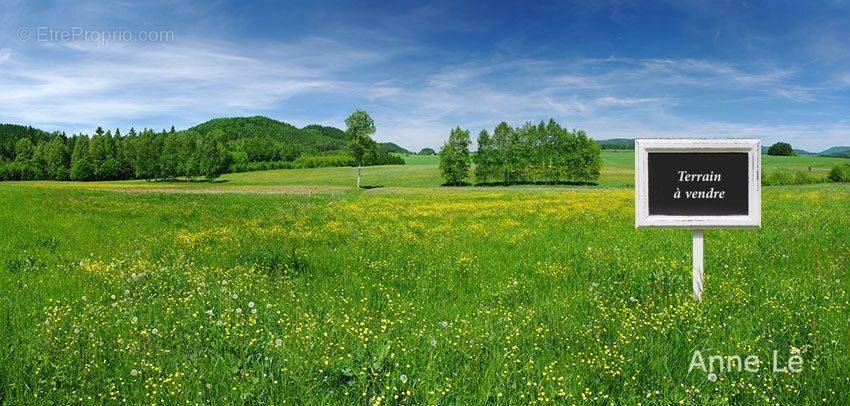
(251, 304)
(712, 377)
(433, 342)
(155, 330)
(444, 324)
(403, 378)
(134, 320)
(126, 292)
(210, 312)
(235, 296)
(239, 310)
(278, 342)
(268, 305)
(112, 297)
(253, 311)
(134, 372)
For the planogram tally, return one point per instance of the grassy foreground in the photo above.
(410, 295)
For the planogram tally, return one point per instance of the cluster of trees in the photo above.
(111, 156)
(545, 152)
(781, 149)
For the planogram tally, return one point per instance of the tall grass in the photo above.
(503, 296)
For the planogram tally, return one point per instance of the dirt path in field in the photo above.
(260, 190)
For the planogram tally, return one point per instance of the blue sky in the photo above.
(772, 70)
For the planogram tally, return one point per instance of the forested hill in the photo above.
(394, 148)
(11, 133)
(314, 138)
(208, 149)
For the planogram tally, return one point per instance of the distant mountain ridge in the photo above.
(837, 152)
(629, 143)
(616, 143)
(312, 137)
(393, 148)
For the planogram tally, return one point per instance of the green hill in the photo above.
(11, 133)
(393, 148)
(836, 152)
(314, 138)
(616, 143)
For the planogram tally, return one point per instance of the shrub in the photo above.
(840, 173)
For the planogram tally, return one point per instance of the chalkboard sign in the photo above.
(697, 183)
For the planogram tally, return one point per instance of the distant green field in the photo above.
(293, 287)
(423, 171)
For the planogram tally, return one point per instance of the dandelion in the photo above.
(268, 305)
(126, 292)
(134, 320)
(278, 342)
(134, 372)
(253, 311)
(403, 378)
(251, 304)
(239, 310)
(433, 342)
(235, 296)
(155, 331)
(209, 312)
(444, 324)
(712, 377)
(112, 297)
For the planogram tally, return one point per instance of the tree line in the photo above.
(114, 156)
(31, 154)
(545, 152)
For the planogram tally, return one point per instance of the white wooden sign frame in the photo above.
(645, 146)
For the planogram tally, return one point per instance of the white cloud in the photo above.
(79, 85)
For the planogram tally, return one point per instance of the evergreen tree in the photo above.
(213, 157)
(57, 159)
(147, 156)
(169, 159)
(81, 168)
(24, 150)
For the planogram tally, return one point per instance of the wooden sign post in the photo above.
(697, 184)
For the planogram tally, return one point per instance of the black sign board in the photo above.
(698, 183)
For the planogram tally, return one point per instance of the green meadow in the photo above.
(293, 287)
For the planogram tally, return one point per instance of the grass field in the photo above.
(293, 287)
